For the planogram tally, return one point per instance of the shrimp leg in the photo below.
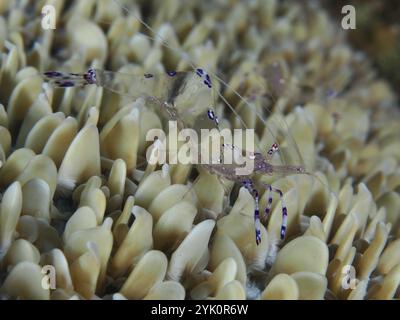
(271, 189)
(248, 184)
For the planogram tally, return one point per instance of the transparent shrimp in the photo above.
(274, 126)
(166, 90)
(106, 77)
(287, 156)
(174, 93)
(185, 97)
(279, 125)
(262, 165)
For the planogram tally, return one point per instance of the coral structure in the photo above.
(78, 200)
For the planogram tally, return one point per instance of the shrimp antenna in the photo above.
(186, 57)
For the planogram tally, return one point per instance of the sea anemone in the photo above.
(82, 216)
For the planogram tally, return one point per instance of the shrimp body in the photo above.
(262, 165)
(185, 96)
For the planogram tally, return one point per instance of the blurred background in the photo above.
(377, 33)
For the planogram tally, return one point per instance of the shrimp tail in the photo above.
(66, 79)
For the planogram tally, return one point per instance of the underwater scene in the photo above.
(199, 150)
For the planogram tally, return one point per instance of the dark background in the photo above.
(377, 33)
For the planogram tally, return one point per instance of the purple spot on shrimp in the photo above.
(66, 84)
(284, 210)
(207, 83)
(211, 114)
(90, 76)
(269, 200)
(52, 74)
(283, 232)
(258, 237)
(171, 73)
(148, 75)
(247, 183)
(199, 72)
